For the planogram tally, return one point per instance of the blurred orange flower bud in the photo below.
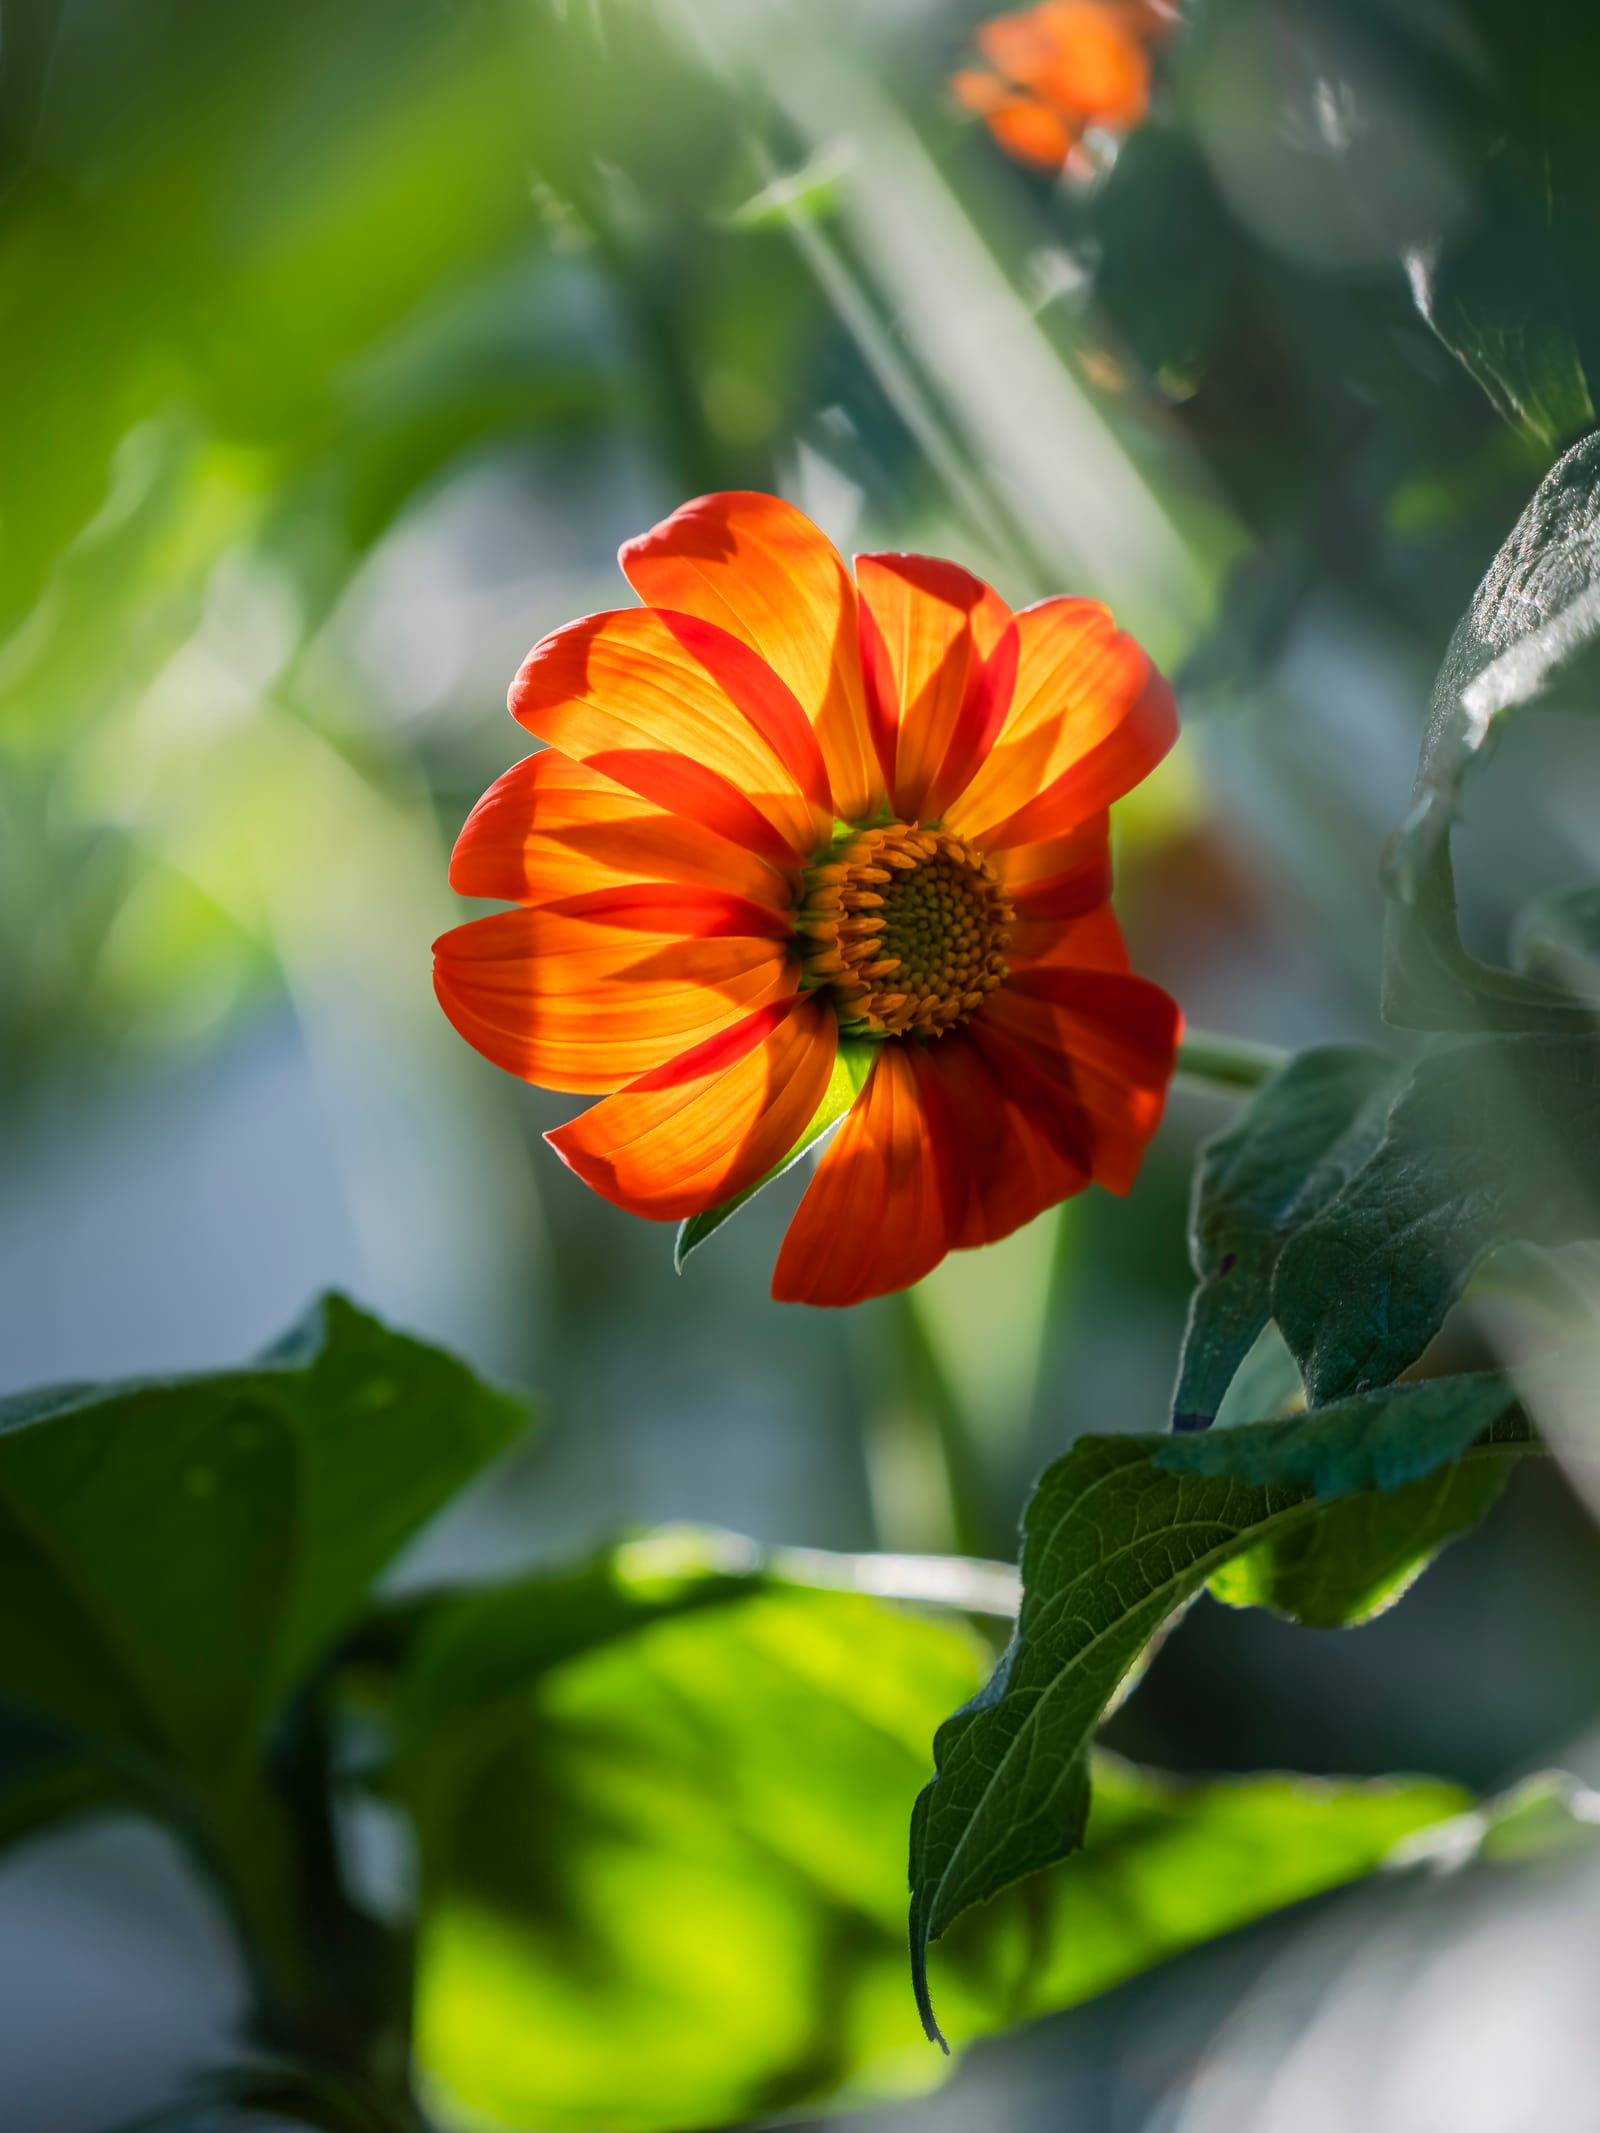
(1060, 71)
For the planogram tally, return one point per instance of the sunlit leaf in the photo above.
(677, 1819)
(1360, 1555)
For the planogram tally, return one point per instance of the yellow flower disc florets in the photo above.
(907, 927)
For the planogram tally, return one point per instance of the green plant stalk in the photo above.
(948, 1427)
(268, 1842)
(1227, 1062)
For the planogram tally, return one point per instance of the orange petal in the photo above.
(939, 660)
(976, 91)
(756, 567)
(763, 696)
(1085, 940)
(622, 694)
(1062, 877)
(1103, 1038)
(588, 999)
(1098, 66)
(879, 1213)
(1013, 1168)
(1032, 132)
(710, 1122)
(1089, 718)
(552, 828)
(1019, 46)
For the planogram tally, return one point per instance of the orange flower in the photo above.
(785, 820)
(1059, 70)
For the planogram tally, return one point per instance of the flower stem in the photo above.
(1226, 1062)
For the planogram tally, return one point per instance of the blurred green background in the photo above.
(341, 343)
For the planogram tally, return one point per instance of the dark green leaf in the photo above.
(1118, 1537)
(1490, 1143)
(1529, 637)
(850, 1070)
(174, 1554)
(1286, 1153)
(279, 2099)
(1497, 302)
(45, 1779)
(1374, 1441)
(647, 1818)
(1557, 942)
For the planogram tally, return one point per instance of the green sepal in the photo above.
(849, 1077)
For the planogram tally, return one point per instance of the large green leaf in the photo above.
(661, 1852)
(1491, 1142)
(1529, 637)
(1119, 1535)
(174, 1554)
(1285, 1154)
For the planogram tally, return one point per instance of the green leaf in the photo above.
(1287, 1152)
(850, 1070)
(1374, 1441)
(174, 1554)
(1550, 1811)
(1119, 1535)
(1497, 303)
(1167, 1864)
(1529, 637)
(1491, 1142)
(1360, 1556)
(649, 1818)
(44, 1779)
(245, 2099)
(1556, 941)
(810, 194)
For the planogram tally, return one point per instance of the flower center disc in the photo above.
(908, 926)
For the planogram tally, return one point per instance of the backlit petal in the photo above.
(1053, 884)
(1103, 1038)
(879, 1213)
(939, 660)
(1089, 718)
(621, 693)
(756, 567)
(1015, 1160)
(711, 1122)
(552, 828)
(589, 999)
